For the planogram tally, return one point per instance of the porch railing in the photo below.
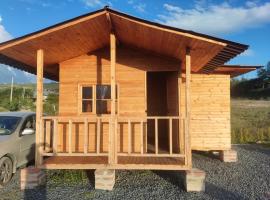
(50, 135)
(173, 125)
(153, 149)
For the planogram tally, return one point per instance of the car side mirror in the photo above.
(28, 131)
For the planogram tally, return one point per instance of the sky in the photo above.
(246, 22)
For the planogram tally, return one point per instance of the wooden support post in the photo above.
(187, 126)
(112, 144)
(181, 135)
(113, 84)
(39, 107)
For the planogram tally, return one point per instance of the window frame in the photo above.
(94, 99)
(80, 99)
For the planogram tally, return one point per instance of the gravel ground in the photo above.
(249, 178)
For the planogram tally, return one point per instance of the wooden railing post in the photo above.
(187, 126)
(98, 135)
(156, 135)
(85, 136)
(170, 134)
(39, 107)
(55, 135)
(129, 137)
(115, 140)
(141, 136)
(69, 136)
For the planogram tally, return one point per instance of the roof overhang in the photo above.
(235, 70)
(90, 32)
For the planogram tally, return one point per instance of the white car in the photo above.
(17, 142)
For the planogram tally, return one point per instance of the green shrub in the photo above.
(14, 105)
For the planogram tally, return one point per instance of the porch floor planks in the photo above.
(150, 160)
(95, 162)
(76, 160)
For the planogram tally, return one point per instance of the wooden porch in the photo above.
(116, 141)
(63, 147)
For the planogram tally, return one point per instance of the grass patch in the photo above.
(250, 121)
(67, 176)
(3, 109)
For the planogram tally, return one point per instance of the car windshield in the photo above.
(8, 124)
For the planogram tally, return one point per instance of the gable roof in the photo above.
(89, 32)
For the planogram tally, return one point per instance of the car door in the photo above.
(27, 142)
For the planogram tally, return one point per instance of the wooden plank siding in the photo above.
(94, 68)
(210, 103)
(210, 112)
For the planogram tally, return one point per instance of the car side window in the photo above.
(30, 122)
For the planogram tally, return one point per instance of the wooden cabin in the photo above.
(133, 94)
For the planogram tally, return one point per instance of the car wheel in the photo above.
(5, 170)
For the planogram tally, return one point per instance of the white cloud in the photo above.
(96, 3)
(92, 3)
(140, 7)
(4, 35)
(248, 53)
(217, 18)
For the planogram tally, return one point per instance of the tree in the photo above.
(268, 69)
(264, 75)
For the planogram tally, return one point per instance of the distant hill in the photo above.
(19, 76)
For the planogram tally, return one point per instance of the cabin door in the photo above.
(162, 100)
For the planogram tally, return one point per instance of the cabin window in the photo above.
(87, 99)
(103, 99)
(96, 99)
